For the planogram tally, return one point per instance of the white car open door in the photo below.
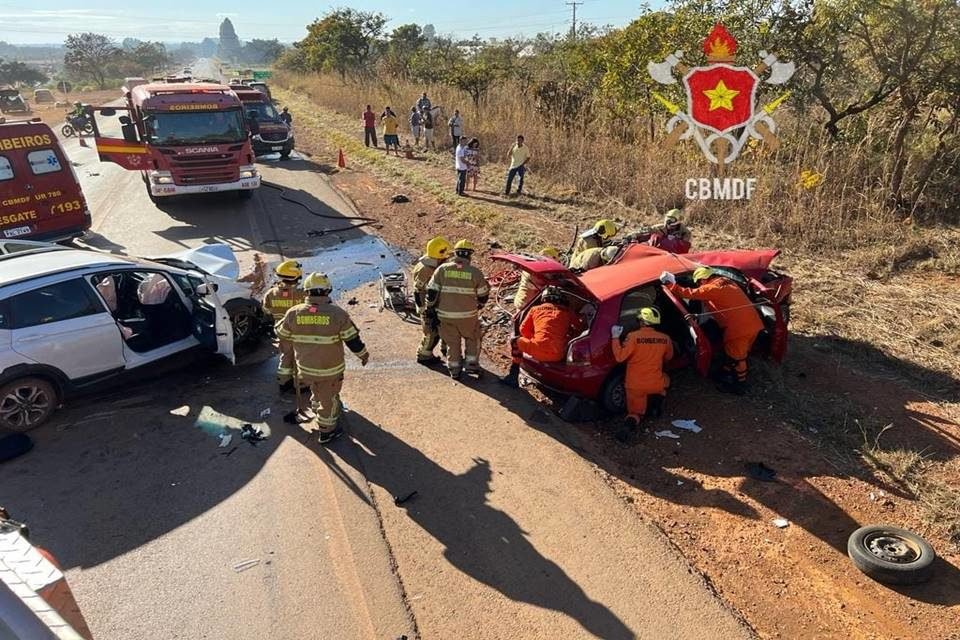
(211, 322)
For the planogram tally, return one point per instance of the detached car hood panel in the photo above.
(216, 259)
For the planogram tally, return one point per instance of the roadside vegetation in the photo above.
(869, 135)
(860, 194)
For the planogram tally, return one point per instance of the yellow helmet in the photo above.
(702, 273)
(317, 282)
(438, 248)
(649, 315)
(550, 252)
(289, 269)
(464, 245)
(672, 217)
(605, 228)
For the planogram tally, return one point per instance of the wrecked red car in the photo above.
(614, 293)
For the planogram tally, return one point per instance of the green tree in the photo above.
(403, 44)
(262, 51)
(89, 55)
(15, 72)
(344, 41)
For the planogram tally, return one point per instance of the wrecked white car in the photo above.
(73, 319)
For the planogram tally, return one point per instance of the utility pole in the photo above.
(573, 29)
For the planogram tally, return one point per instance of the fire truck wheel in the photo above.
(245, 194)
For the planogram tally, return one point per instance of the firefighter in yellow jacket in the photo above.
(456, 293)
(279, 299)
(438, 250)
(318, 330)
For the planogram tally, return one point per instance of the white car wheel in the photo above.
(26, 403)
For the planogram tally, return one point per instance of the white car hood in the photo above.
(220, 262)
(217, 259)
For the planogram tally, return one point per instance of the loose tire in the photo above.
(891, 555)
(26, 403)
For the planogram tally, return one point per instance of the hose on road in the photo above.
(357, 221)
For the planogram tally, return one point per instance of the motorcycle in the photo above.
(76, 124)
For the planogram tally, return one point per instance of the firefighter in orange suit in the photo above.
(279, 299)
(726, 302)
(544, 333)
(438, 250)
(318, 330)
(646, 351)
(456, 293)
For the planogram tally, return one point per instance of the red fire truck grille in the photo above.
(204, 169)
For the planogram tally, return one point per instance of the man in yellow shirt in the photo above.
(519, 155)
(390, 126)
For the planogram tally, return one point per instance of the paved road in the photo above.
(163, 535)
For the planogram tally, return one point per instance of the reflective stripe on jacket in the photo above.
(459, 289)
(282, 297)
(318, 330)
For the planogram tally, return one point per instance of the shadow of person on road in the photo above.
(480, 540)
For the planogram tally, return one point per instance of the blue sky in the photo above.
(48, 21)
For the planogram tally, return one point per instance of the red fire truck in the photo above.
(183, 138)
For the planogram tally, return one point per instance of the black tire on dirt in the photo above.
(891, 555)
(245, 318)
(613, 395)
(285, 155)
(26, 403)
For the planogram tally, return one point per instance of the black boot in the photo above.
(654, 405)
(630, 426)
(512, 379)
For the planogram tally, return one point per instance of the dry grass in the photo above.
(843, 212)
(939, 500)
(876, 295)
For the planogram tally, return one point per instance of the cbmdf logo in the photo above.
(721, 113)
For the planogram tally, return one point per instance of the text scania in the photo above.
(720, 188)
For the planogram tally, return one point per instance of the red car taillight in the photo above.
(578, 353)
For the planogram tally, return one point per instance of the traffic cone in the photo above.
(341, 162)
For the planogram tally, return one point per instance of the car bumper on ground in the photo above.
(177, 189)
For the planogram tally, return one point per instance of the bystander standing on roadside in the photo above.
(456, 127)
(427, 119)
(460, 163)
(423, 103)
(369, 127)
(415, 122)
(519, 155)
(472, 158)
(390, 126)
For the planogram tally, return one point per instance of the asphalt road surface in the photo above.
(164, 534)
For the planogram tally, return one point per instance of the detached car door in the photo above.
(64, 325)
(211, 322)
